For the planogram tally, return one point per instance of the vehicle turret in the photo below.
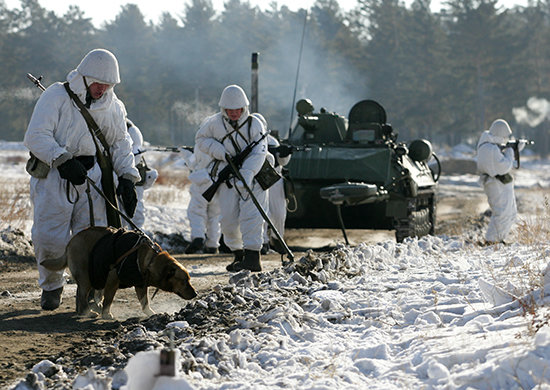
(354, 173)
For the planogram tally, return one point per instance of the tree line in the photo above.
(442, 75)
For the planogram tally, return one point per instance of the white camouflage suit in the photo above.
(276, 195)
(204, 217)
(57, 132)
(492, 161)
(241, 222)
(150, 176)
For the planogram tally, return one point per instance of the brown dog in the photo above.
(152, 267)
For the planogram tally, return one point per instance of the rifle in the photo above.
(226, 173)
(514, 145)
(36, 81)
(173, 149)
(286, 149)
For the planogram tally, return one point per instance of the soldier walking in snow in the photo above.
(494, 162)
(62, 144)
(228, 133)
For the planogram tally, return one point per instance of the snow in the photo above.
(423, 314)
(432, 313)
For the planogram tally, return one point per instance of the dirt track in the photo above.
(29, 335)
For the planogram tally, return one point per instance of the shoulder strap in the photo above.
(92, 125)
(236, 130)
(104, 161)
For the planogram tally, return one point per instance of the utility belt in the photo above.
(504, 179)
(87, 161)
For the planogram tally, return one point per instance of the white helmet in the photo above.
(233, 97)
(261, 118)
(100, 65)
(136, 136)
(500, 129)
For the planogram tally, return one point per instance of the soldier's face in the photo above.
(97, 90)
(234, 114)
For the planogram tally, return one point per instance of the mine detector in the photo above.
(352, 173)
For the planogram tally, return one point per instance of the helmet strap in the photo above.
(89, 98)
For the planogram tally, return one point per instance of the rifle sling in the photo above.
(104, 160)
(92, 125)
(237, 132)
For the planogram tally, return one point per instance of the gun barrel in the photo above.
(514, 143)
(173, 149)
(36, 81)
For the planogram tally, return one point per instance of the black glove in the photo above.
(127, 191)
(284, 150)
(73, 170)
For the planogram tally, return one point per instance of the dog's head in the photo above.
(167, 274)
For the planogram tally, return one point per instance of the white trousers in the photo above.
(204, 217)
(502, 201)
(242, 223)
(277, 209)
(56, 219)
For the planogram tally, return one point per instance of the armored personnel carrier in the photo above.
(352, 173)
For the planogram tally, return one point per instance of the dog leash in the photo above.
(90, 204)
(134, 226)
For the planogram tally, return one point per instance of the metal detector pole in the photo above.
(259, 207)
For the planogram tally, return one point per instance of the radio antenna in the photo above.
(297, 75)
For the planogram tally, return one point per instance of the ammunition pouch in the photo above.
(267, 176)
(505, 179)
(37, 168)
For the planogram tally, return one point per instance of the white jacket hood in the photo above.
(100, 65)
(500, 130)
(490, 159)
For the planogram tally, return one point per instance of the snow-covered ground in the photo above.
(432, 313)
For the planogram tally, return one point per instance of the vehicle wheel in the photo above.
(418, 223)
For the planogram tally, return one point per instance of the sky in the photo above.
(106, 10)
(434, 313)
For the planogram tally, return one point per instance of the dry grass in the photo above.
(16, 208)
(15, 203)
(167, 189)
(528, 274)
(535, 230)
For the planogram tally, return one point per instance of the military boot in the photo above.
(50, 300)
(251, 261)
(211, 250)
(223, 248)
(196, 246)
(238, 257)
